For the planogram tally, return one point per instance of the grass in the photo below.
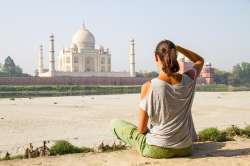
(76, 90)
(233, 131)
(64, 147)
(246, 131)
(212, 88)
(64, 90)
(228, 134)
(12, 157)
(212, 134)
(220, 88)
(60, 147)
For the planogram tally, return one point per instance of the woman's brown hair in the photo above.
(166, 51)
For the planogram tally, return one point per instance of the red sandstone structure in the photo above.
(89, 81)
(206, 77)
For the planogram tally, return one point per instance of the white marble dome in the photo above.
(83, 39)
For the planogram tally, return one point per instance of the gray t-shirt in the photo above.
(169, 110)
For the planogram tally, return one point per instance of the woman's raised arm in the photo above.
(198, 61)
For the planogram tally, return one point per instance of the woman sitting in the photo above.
(165, 126)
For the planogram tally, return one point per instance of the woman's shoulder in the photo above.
(144, 89)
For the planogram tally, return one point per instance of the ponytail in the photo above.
(166, 51)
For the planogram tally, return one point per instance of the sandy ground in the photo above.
(235, 153)
(84, 120)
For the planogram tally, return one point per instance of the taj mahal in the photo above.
(83, 59)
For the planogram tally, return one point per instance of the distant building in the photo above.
(83, 59)
(206, 75)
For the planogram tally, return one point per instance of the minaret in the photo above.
(132, 58)
(40, 60)
(51, 55)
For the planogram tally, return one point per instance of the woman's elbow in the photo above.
(201, 60)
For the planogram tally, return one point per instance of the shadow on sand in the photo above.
(214, 149)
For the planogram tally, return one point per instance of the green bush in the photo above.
(228, 134)
(246, 131)
(233, 131)
(212, 134)
(64, 147)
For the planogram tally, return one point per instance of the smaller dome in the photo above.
(73, 45)
(83, 38)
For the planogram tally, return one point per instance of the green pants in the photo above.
(127, 132)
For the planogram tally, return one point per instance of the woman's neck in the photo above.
(171, 78)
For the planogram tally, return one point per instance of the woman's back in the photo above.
(165, 126)
(169, 111)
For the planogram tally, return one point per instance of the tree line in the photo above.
(239, 76)
(9, 68)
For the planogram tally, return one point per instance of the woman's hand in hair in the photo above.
(195, 58)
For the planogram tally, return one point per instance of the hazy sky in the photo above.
(219, 30)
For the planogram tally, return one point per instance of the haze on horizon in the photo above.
(219, 30)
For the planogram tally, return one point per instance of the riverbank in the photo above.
(63, 90)
(80, 90)
(85, 120)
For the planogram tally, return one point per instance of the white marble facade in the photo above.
(82, 56)
(83, 59)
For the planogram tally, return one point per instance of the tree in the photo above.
(146, 74)
(151, 74)
(221, 77)
(241, 74)
(18, 70)
(9, 66)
